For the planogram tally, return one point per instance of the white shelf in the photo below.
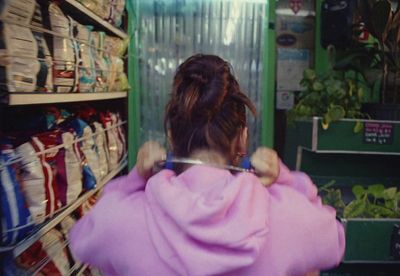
(78, 7)
(25, 244)
(44, 98)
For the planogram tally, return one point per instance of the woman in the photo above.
(204, 220)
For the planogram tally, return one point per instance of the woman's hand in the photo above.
(149, 153)
(266, 164)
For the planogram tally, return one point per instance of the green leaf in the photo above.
(390, 193)
(358, 126)
(309, 74)
(318, 86)
(325, 122)
(336, 112)
(380, 17)
(376, 190)
(358, 191)
(354, 209)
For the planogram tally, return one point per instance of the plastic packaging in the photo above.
(101, 143)
(19, 11)
(101, 62)
(16, 220)
(87, 72)
(112, 141)
(65, 72)
(89, 151)
(33, 182)
(18, 62)
(44, 78)
(72, 175)
(47, 256)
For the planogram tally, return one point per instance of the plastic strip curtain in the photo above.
(172, 30)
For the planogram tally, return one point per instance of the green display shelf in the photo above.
(370, 241)
(375, 137)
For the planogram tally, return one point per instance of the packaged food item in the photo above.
(70, 177)
(18, 11)
(101, 62)
(18, 62)
(44, 78)
(119, 134)
(16, 220)
(99, 7)
(52, 160)
(101, 142)
(115, 49)
(112, 140)
(88, 148)
(64, 50)
(116, 10)
(87, 71)
(47, 256)
(33, 182)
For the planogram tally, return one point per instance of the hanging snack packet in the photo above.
(87, 71)
(47, 256)
(33, 182)
(102, 150)
(88, 147)
(118, 132)
(112, 140)
(116, 11)
(101, 62)
(52, 161)
(18, 62)
(70, 177)
(44, 78)
(16, 220)
(18, 11)
(64, 51)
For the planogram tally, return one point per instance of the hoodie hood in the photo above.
(206, 221)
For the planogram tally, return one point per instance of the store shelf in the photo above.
(89, 17)
(45, 98)
(25, 244)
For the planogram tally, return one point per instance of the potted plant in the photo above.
(381, 60)
(332, 95)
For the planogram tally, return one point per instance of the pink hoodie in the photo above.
(207, 221)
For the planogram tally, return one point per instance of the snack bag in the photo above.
(18, 62)
(18, 11)
(101, 62)
(112, 140)
(33, 181)
(65, 70)
(87, 71)
(16, 220)
(47, 256)
(44, 78)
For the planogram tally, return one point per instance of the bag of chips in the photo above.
(16, 220)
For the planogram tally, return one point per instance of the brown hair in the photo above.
(207, 109)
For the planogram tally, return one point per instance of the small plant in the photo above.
(372, 202)
(331, 95)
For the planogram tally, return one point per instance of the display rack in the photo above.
(89, 17)
(17, 100)
(25, 244)
(45, 98)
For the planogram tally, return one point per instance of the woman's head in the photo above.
(207, 109)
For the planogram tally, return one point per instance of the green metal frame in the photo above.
(268, 98)
(321, 54)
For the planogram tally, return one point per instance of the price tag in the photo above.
(395, 242)
(378, 133)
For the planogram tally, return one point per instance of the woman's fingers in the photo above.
(266, 164)
(149, 153)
